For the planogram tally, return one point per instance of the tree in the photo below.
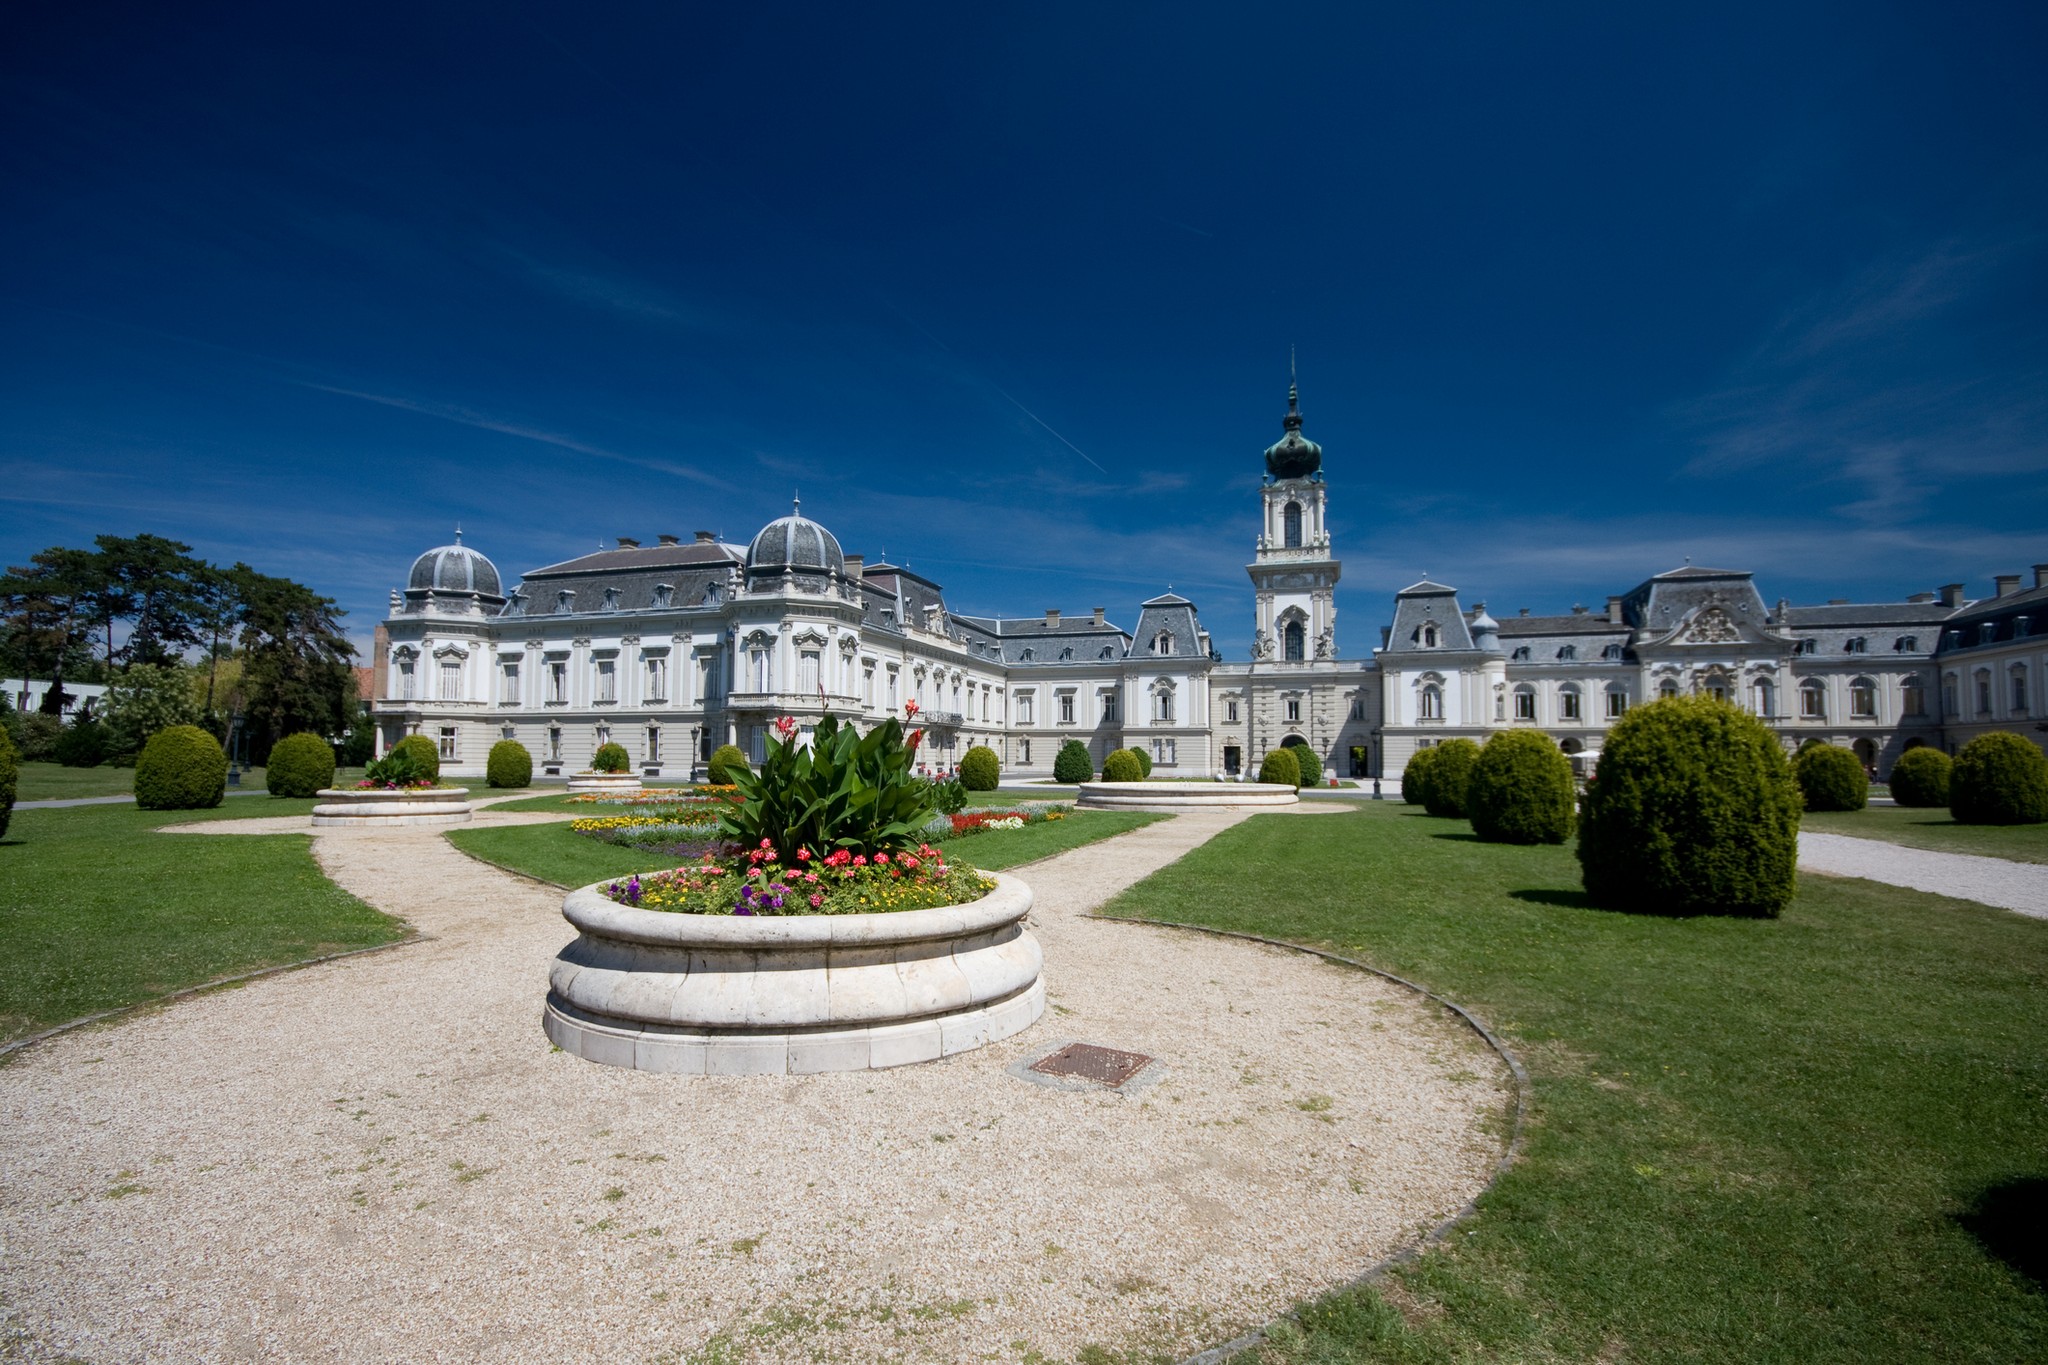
(155, 584)
(295, 657)
(146, 699)
(48, 607)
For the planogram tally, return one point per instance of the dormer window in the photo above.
(1162, 643)
(1027, 655)
(1066, 653)
(1568, 653)
(1806, 647)
(565, 599)
(611, 599)
(1907, 644)
(2022, 627)
(1429, 637)
(1107, 653)
(663, 593)
(1521, 654)
(1858, 644)
(1611, 652)
(1987, 632)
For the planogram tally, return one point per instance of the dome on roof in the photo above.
(455, 568)
(795, 544)
(1293, 456)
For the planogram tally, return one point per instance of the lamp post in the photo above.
(234, 747)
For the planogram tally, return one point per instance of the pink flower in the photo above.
(817, 901)
(881, 857)
(803, 855)
(859, 860)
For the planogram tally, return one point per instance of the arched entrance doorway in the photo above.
(1866, 754)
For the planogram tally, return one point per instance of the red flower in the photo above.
(910, 708)
(881, 857)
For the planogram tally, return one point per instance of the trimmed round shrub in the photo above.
(1999, 779)
(980, 769)
(509, 765)
(1144, 760)
(1310, 762)
(1521, 791)
(726, 760)
(1279, 767)
(299, 765)
(10, 775)
(610, 758)
(82, 745)
(421, 754)
(1122, 766)
(1415, 777)
(1072, 763)
(1920, 777)
(1692, 810)
(181, 768)
(1449, 772)
(1831, 778)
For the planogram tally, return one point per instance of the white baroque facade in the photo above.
(674, 648)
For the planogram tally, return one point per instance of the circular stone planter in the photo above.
(371, 808)
(1183, 795)
(604, 782)
(747, 995)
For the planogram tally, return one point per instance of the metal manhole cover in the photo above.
(1103, 1065)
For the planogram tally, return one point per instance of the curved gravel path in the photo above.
(1966, 876)
(382, 1159)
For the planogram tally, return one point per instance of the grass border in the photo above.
(1217, 1355)
(8, 1050)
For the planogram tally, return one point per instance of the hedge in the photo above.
(82, 745)
(980, 769)
(1072, 763)
(1521, 791)
(725, 761)
(1449, 772)
(1311, 764)
(1279, 767)
(1144, 760)
(1999, 779)
(1920, 777)
(1122, 766)
(1692, 810)
(300, 765)
(181, 768)
(509, 765)
(10, 777)
(611, 758)
(1831, 778)
(1415, 777)
(421, 753)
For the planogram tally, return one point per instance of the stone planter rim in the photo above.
(595, 913)
(1178, 788)
(392, 793)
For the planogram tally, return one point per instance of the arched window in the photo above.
(1948, 696)
(1766, 700)
(1163, 642)
(1983, 691)
(1912, 698)
(1863, 699)
(2019, 688)
(1525, 702)
(1813, 701)
(1429, 637)
(1296, 640)
(1290, 521)
(1666, 690)
(1617, 703)
(1431, 702)
(1568, 703)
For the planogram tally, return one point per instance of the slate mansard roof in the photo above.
(698, 574)
(1422, 604)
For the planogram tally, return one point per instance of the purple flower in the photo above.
(743, 909)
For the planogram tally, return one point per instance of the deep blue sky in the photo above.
(1575, 297)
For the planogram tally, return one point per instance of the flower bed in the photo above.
(841, 883)
(975, 821)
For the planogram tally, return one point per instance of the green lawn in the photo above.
(1934, 829)
(1822, 1138)
(551, 853)
(96, 911)
(55, 782)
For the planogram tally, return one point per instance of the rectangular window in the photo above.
(1109, 708)
(1230, 710)
(984, 703)
(1983, 694)
(1162, 752)
(1863, 701)
(607, 681)
(1912, 701)
(867, 685)
(1812, 703)
(1024, 708)
(657, 678)
(558, 683)
(708, 676)
(1066, 708)
(1568, 705)
(1525, 706)
(1358, 708)
(1294, 708)
(1162, 709)
(807, 672)
(1617, 704)
(451, 680)
(1948, 699)
(406, 684)
(447, 741)
(509, 684)
(654, 744)
(2019, 691)
(555, 743)
(895, 679)
(1023, 751)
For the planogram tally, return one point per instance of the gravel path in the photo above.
(382, 1159)
(1966, 876)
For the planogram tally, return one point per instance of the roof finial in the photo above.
(458, 533)
(796, 504)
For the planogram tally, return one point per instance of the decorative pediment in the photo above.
(451, 651)
(1710, 626)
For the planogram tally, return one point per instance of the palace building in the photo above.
(675, 648)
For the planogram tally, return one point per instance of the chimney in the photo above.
(1614, 611)
(1052, 617)
(1578, 609)
(1525, 611)
(1921, 597)
(2007, 584)
(628, 543)
(856, 566)
(1100, 610)
(668, 540)
(2041, 575)
(706, 538)
(1951, 594)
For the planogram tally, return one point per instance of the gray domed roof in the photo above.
(796, 543)
(1293, 456)
(455, 568)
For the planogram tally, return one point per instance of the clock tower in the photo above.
(1294, 578)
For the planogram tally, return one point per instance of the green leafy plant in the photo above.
(38, 737)
(1692, 810)
(509, 765)
(1999, 779)
(421, 753)
(1311, 764)
(980, 769)
(181, 768)
(725, 761)
(1072, 763)
(610, 758)
(1144, 761)
(299, 765)
(1122, 766)
(82, 745)
(948, 795)
(1449, 771)
(1415, 777)
(10, 777)
(1920, 777)
(145, 699)
(1831, 778)
(1281, 768)
(844, 791)
(1521, 791)
(412, 762)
